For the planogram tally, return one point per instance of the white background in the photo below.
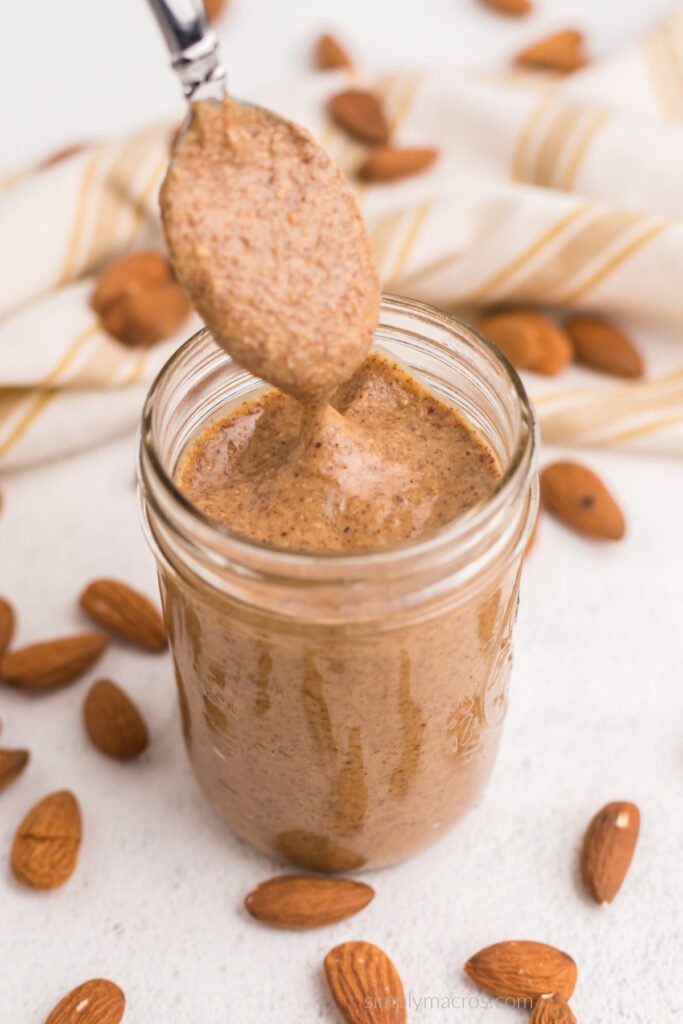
(595, 711)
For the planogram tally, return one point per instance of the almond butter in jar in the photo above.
(342, 710)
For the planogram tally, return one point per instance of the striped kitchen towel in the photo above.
(559, 191)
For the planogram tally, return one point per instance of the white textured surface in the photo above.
(596, 700)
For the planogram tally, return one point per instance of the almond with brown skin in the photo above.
(7, 624)
(52, 663)
(516, 335)
(97, 1001)
(552, 1009)
(128, 276)
(329, 54)
(126, 611)
(562, 51)
(580, 499)
(12, 764)
(215, 8)
(147, 317)
(388, 164)
(607, 849)
(600, 345)
(365, 985)
(113, 721)
(307, 901)
(522, 970)
(513, 7)
(360, 114)
(46, 845)
(556, 351)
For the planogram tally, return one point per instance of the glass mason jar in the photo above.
(343, 711)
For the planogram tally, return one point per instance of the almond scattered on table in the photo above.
(97, 1001)
(513, 7)
(47, 842)
(329, 54)
(113, 721)
(388, 163)
(360, 113)
(523, 970)
(607, 850)
(215, 8)
(365, 985)
(552, 1009)
(307, 901)
(563, 51)
(51, 663)
(517, 336)
(130, 275)
(149, 316)
(602, 346)
(126, 612)
(577, 496)
(7, 624)
(556, 349)
(12, 764)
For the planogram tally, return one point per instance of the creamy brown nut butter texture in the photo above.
(267, 238)
(335, 740)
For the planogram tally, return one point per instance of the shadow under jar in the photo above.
(343, 711)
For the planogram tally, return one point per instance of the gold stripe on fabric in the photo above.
(586, 137)
(615, 261)
(45, 396)
(553, 144)
(547, 281)
(519, 157)
(418, 220)
(69, 265)
(486, 290)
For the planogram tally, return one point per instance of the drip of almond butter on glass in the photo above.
(334, 741)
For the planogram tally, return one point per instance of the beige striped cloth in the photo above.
(564, 192)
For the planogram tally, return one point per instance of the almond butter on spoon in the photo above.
(265, 236)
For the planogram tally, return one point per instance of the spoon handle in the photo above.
(193, 46)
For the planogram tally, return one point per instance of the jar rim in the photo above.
(284, 561)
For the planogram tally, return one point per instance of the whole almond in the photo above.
(388, 164)
(556, 350)
(215, 8)
(517, 336)
(364, 984)
(307, 901)
(146, 317)
(329, 54)
(522, 970)
(113, 721)
(513, 7)
(360, 113)
(12, 764)
(552, 1009)
(52, 663)
(7, 624)
(126, 611)
(580, 499)
(128, 276)
(562, 51)
(600, 345)
(607, 849)
(46, 845)
(97, 1001)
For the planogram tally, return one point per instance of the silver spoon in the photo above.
(193, 46)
